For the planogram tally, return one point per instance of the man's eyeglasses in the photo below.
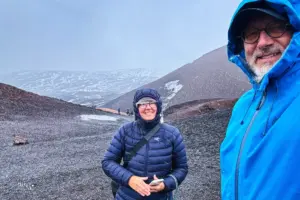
(144, 105)
(273, 29)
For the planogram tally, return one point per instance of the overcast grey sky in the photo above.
(110, 34)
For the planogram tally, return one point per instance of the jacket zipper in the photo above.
(146, 159)
(243, 144)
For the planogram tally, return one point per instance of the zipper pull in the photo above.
(262, 101)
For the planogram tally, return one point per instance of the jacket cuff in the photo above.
(169, 184)
(126, 178)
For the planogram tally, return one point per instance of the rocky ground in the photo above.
(62, 159)
(203, 135)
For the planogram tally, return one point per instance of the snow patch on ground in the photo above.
(97, 117)
(173, 88)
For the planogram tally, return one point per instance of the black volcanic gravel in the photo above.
(62, 159)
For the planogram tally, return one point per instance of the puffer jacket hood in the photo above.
(287, 7)
(147, 92)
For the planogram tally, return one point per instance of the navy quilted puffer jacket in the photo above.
(163, 155)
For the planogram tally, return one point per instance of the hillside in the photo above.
(16, 102)
(211, 76)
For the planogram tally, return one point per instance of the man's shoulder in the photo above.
(246, 97)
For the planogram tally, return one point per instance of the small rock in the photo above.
(19, 140)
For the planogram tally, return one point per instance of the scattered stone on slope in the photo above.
(19, 140)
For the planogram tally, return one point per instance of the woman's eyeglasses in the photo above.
(273, 29)
(144, 105)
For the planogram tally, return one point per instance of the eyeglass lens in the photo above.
(274, 30)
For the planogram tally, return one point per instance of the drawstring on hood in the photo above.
(270, 111)
(242, 122)
(275, 97)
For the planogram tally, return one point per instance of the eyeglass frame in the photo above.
(138, 105)
(287, 26)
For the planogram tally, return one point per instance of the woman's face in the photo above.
(147, 111)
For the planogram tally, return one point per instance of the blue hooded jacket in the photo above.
(260, 153)
(163, 155)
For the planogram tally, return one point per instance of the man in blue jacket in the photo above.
(260, 155)
(163, 157)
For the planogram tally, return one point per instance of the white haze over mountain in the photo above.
(86, 88)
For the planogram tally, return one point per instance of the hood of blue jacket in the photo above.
(292, 53)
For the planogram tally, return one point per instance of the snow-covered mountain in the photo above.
(211, 76)
(86, 88)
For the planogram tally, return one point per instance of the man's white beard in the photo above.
(260, 71)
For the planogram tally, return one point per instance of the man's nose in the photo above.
(264, 40)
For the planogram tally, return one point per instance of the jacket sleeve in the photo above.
(112, 157)
(179, 163)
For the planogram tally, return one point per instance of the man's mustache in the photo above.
(267, 50)
(264, 51)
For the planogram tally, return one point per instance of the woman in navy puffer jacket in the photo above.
(163, 157)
